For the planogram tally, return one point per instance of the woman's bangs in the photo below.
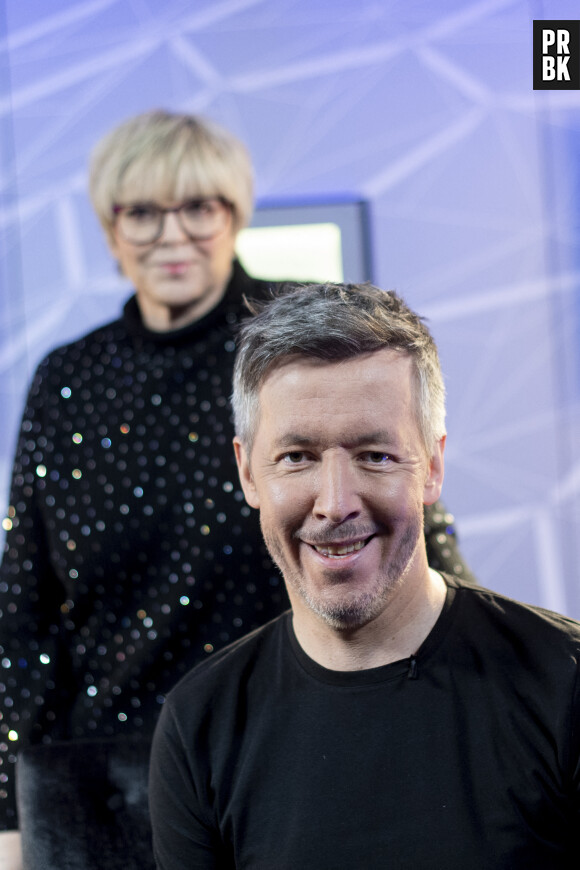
(157, 181)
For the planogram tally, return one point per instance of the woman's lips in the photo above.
(175, 268)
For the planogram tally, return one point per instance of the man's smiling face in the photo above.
(339, 472)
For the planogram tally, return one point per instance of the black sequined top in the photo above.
(130, 553)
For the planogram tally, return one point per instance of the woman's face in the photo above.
(177, 280)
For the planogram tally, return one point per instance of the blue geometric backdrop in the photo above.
(423, 107)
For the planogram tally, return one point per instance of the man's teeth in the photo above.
(343, 550)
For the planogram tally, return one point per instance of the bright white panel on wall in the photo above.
(305, 252)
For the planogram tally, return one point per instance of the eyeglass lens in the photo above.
(142, 223)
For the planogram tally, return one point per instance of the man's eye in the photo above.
(294, 457)
(376, 457)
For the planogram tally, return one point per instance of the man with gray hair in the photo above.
(395, 717)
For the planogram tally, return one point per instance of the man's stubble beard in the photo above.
(363, 609)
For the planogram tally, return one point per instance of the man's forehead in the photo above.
(348, 399)
(360, 367)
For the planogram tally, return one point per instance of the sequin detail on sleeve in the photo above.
(130, 552)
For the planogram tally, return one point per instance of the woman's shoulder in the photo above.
(101, 340)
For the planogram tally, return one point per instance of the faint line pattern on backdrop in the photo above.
(426, 110)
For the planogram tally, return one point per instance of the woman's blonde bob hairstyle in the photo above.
(165, 156)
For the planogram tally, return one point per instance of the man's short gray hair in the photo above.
(333, 323)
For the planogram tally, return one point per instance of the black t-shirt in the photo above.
(465, 756)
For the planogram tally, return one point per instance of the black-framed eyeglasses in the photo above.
(142, 223)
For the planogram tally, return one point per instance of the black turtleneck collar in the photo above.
(239, 284)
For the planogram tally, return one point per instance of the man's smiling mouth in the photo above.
(336, 550)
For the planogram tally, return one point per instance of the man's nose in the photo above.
(337, 495)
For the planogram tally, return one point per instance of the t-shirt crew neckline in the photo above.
(384, 673)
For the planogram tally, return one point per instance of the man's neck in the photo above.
(396, 634)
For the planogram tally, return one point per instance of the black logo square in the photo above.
(556, 55)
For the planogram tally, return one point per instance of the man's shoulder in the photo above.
(492, 608)
(235, 664)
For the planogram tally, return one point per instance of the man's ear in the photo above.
(436, 470)
(245, 473)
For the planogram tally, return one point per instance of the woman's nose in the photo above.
(172, 229)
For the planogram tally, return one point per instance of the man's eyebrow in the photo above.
(293, 439)
(378, 437)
